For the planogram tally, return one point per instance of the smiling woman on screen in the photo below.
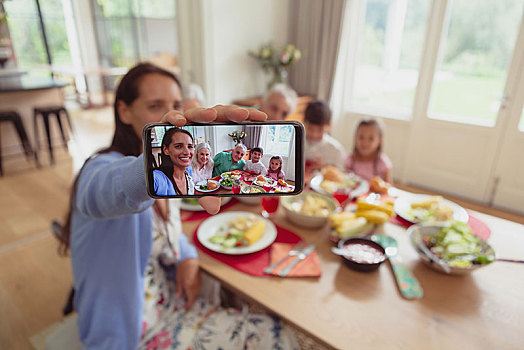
(177, 153)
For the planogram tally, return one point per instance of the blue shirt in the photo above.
(164, 187)
(111, 238)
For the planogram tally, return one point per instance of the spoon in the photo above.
(407, 283)
(433, 257)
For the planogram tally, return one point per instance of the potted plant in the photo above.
(238, 136)
(276, 60)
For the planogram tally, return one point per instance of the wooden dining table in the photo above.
(346, 309)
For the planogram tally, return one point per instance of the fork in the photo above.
(294, 251)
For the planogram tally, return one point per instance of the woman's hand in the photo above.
(207, 115)
(188, 280)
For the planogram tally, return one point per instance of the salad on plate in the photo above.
(458, 246)
(241, 232)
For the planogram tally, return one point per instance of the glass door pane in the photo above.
(390, 48)
(24, 26)
(475, 54)
(56, 32)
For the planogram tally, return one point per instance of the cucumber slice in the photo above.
(217, 239)
(230, 242)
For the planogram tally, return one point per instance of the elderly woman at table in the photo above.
(177, 154)
(202, 164)
(279, 102)
(111, 229)
(227, 161)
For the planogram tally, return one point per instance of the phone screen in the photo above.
(224, 159)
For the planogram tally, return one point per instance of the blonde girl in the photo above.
(367, 159)
(275, 168)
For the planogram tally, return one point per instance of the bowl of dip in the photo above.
(361, 254)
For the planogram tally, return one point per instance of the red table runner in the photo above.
(187, 215)
(254, 263)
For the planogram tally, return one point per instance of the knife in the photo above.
(294, 251)
(300, 256)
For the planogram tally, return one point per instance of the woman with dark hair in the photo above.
(111, 222)
(177, 154)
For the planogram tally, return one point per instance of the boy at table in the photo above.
(321, 149)
(254, 166)
(227, 161)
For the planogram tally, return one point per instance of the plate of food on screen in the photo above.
(235, 174)
(331, 178)
(207, 186)
(283, 186)
(265, 182)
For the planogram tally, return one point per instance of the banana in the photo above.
(373, 215)
(255, 232)
(387, 208)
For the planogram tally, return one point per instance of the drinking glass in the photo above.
(341, 195)
(269, 206)
(236, 189)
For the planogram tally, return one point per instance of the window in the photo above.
(132, 30)
(26, 36)
(390, 47)
(278, 140)
(475, 53)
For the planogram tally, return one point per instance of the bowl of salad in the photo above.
(229, 182)
(452, 244)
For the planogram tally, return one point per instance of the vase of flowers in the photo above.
(277, 61)
(238, 136)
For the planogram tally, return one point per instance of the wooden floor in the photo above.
(34, 280)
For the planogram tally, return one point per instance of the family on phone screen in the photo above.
(181, 166)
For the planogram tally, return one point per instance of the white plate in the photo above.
(198, 207)
(403, 206)
(362, 188)
(209, 228)
(270, 182)
(197, 186)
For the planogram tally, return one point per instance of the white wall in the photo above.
(222, 32)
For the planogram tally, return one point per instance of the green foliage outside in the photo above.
(24, 27)
(477, 52)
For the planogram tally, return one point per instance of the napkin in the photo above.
(309, 267)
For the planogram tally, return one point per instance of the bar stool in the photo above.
(16, 119)
(46, 113)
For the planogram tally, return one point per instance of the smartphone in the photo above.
(224, 159)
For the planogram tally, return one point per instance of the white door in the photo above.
(458, 127)
(508, 175)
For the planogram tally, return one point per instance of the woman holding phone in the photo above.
(109, 229)
(177, 154)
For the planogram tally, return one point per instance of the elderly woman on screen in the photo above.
(279, 102)
(227, 161)
(202, 164)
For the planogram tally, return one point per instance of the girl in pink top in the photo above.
(367, 159)
(275, 168)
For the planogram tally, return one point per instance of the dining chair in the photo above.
(46, 113)
(16, 120)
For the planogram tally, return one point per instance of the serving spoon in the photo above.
(433, 257)
(407, 283)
